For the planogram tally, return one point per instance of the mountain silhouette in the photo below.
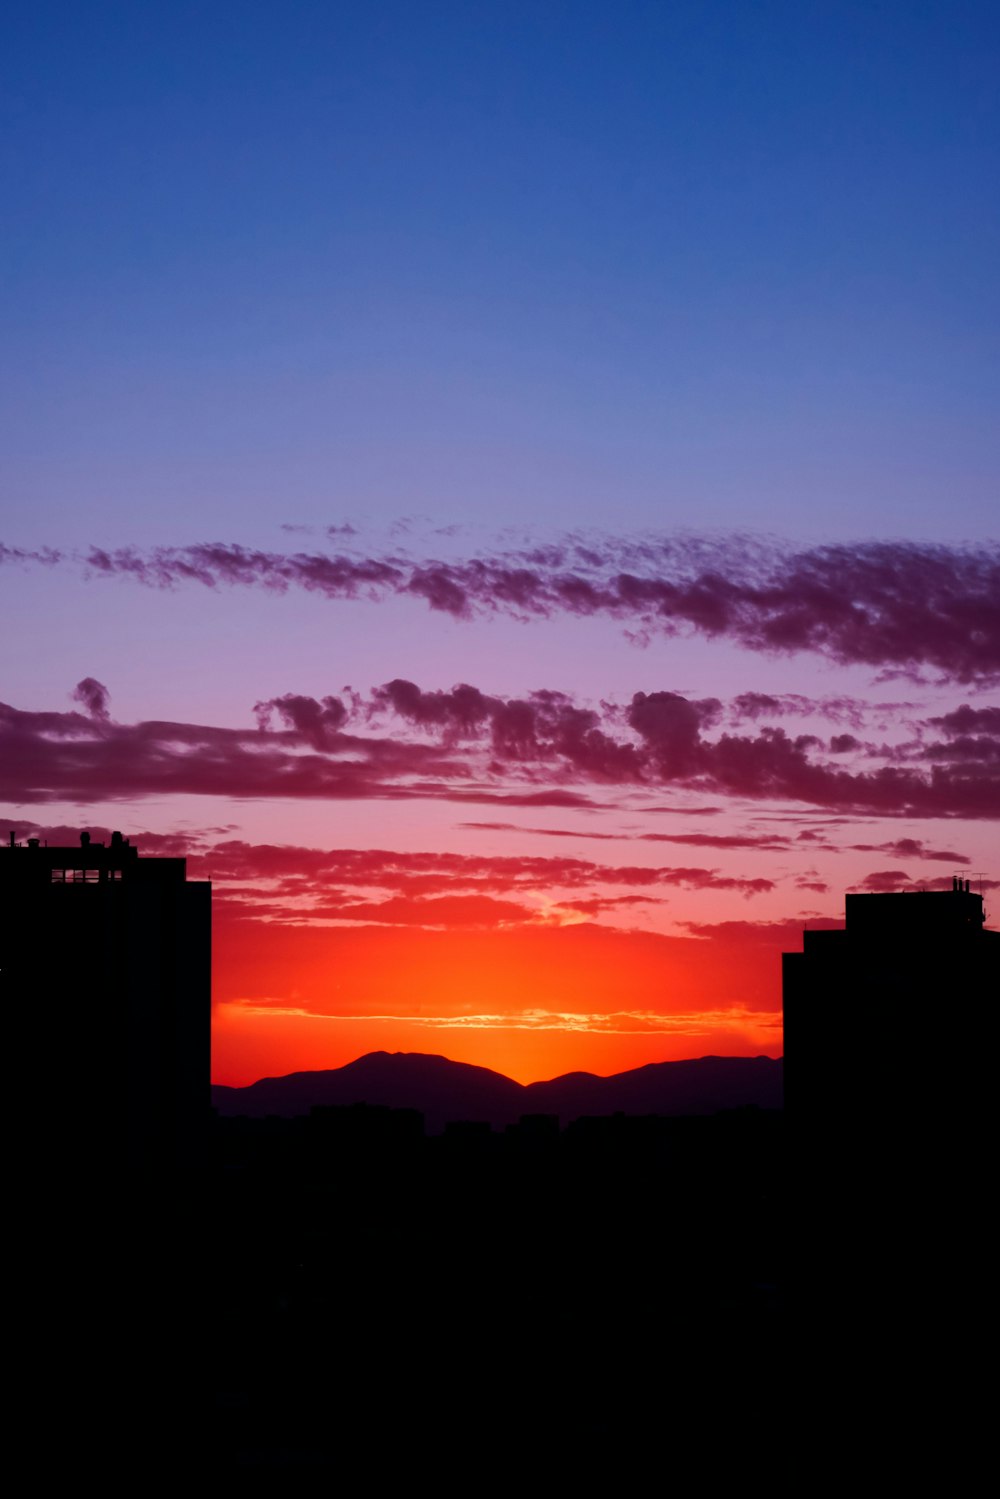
(701, 1086)
(446, 1091)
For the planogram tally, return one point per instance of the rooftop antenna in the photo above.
(980, 879)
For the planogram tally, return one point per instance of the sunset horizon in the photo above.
(499, 740)
(508, 493)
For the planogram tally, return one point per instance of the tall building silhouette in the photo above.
(873, 1011)
(105, 961)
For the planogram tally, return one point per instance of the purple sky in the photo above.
(631, 366)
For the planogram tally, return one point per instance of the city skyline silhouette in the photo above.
(674, 1174)
(501, 584)
(130, 938)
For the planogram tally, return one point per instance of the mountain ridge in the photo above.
(445, 1091)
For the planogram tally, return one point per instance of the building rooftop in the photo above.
(916, 911)
(88, 862)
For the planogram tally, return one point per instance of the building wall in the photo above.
(109, 983)
(889, 1018)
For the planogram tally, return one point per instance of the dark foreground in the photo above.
(343, 1295)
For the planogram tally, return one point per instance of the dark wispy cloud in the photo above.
(697, 840)
(910, 848)
(900, 848)
(781, 767)
(970, 734)
(87, 758)
(898, 607)
(843, 744)
(445, 912)
(318, 722)
(513, 827)
(839, 709)
(544, 726)
(427, 874)
(758, 841)
(783, 935)
(883, 881)
(465, 746)
(94, 697)
(31, 556)
(968, 720)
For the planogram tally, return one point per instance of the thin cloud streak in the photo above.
(620, 1023)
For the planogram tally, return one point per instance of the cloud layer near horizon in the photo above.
(896, 607)
(293, 883)
(392, 944)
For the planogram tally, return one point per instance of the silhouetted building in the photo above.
(875, 1013)
(105, 961)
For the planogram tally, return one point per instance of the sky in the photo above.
(509, 492)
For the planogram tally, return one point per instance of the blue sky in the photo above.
(714, 264)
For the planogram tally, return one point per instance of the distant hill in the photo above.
(444, 1091)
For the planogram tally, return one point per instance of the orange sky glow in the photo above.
(529, 1003)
